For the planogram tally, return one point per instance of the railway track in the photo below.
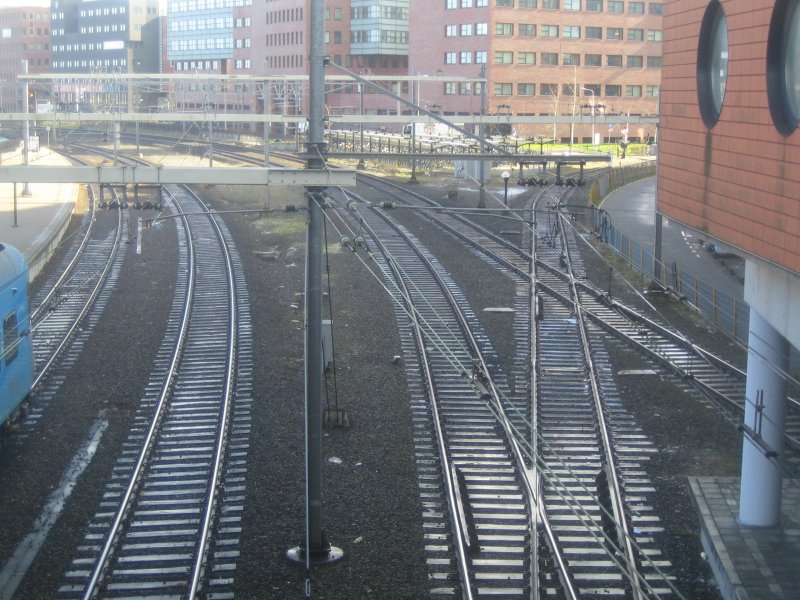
(69, 304)
(613, 576)
(576, 537)
(168, 523)
(591, 453)
(693, 367)
(477, 512)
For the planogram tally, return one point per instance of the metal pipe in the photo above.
(316, 549)
(26, 139)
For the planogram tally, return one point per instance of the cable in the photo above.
(330, 312)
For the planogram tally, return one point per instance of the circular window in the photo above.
(783, 65)
(712, 63)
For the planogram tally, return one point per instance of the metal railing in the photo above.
(730, 313)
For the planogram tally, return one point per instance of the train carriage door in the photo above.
(10, 337)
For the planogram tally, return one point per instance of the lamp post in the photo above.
(506, 108)
(26, 190)
(482, 136)
(506, 176)
(591, 91)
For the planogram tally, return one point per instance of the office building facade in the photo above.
(24, 38)
(544, 57)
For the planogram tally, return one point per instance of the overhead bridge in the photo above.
(160, 175)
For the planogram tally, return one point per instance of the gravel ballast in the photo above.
(370, 490)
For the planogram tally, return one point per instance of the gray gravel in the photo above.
(371, 502)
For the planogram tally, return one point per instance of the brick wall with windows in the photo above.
(611, 48)
(735, 178)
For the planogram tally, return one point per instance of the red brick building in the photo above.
(368, 38)
(737, 179)
(24, 35)
(543, 57)
(729, 151)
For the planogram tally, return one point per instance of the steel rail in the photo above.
(101, 565)
(446, 467)
(86, 306)
(610, 464)
(71, 264)
(224, 418)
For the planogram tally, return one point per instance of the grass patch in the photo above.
(283, 224)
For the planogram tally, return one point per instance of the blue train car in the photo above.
(16, 349)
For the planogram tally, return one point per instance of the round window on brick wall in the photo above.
(783, 65)
(712, 63)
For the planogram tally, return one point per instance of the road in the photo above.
(632, 211)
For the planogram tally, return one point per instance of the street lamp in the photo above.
(506, 176)
(506, 108)
(591, 91)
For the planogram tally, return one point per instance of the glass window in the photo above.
(594, 5)
(616, 6)
(635, 62)
(549, 58)
(567, 89)
(635, 35)
(503, 57)
(593, 60)
(551, 4)
(792, 62)
(450, 31)
(10, 337)
(594, 33)
(481, 29)
(527, 30)
(548, 31)
(450, 58)
(503, 89)
(526, 89)
(571, 59)
(636, 8)
(548, 89)
(465, 58)
(633, 91)
(466, 29)
(505, 3)
(613, 90)
(572, 31)
(480, 57)
(783, 66)
(654, 8)
(652, 91)
(614, 60)
(654, 35)
(712, 63)
(504, 29)
(527, 3)
(654, 62)
(613, 33)
(526, 58)
(572, 4)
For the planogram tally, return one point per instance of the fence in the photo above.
(729, 313)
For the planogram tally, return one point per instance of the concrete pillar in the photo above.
(760, 497)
